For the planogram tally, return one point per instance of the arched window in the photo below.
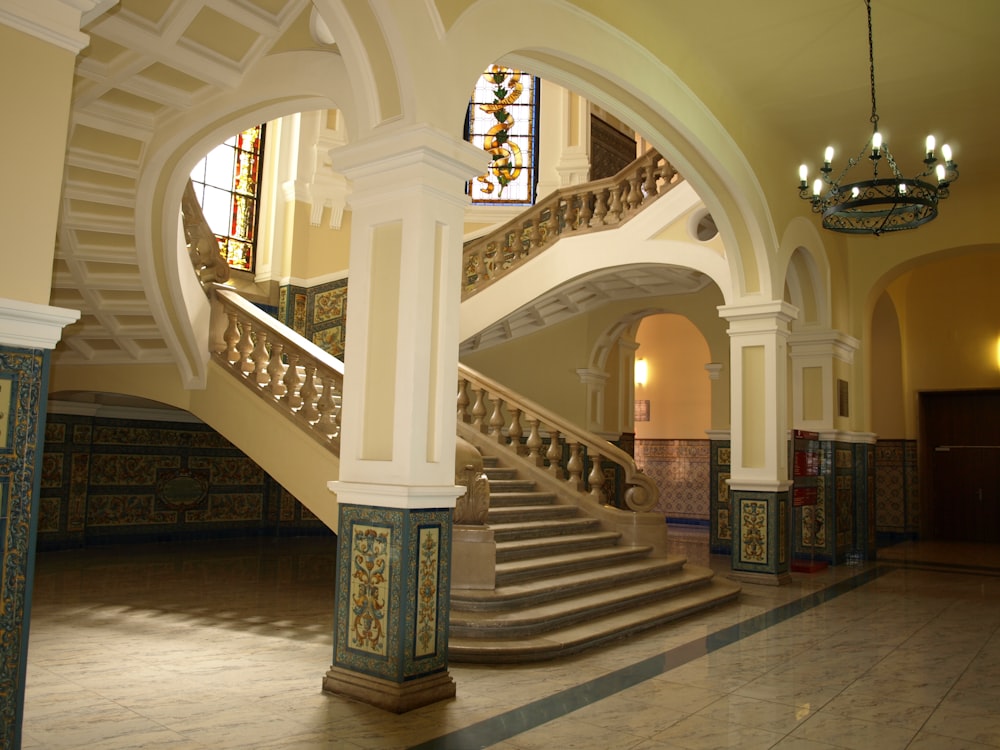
(502, 120)
(227, 183)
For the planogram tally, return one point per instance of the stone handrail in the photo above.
(203, 247)
(519, 428)
(593, 206)
(299, 378)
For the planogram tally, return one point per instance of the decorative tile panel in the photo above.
(369, 575)
(754, 533)
(23, 375)
(427, 591)
(127, 480)
(682, 471)
(391, 618)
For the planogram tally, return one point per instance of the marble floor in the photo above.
(224, 644)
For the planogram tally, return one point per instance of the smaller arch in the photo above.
(806, 268)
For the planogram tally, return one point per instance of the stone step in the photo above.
(529, 513)
(515, 571)
(552, 527)
(520, 549)
(514, 646)
(529, 620)
(505, 484)
(511, 499)
(540, 590)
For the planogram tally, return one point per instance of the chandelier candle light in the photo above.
(881, 204)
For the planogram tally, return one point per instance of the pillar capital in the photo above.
(32, 326)
(417, 156)
(55, 21)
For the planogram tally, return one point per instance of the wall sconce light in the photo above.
(641, 372)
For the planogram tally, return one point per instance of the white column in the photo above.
(814, 357)
(401, 353)
(758, 337)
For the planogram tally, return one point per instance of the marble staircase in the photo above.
(564, 583)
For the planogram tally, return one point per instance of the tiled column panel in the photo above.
(760, 535)
(391, 624)
(720, 507)
(844, 512)
(23, 378)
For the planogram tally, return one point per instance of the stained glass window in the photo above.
(502, 120)
(227, 183)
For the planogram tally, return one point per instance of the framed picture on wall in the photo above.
(642, 410)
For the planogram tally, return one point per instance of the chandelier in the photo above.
(881, 204)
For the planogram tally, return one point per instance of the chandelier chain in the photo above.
(871, 64)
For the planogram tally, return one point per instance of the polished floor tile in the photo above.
(224, 645)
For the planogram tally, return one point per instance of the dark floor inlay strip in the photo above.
(514, 722)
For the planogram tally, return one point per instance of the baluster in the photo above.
(615, 208)
(514, 431)
(586, 211)
(600, 208)
(291, 382)
(534, 443)
(327, 424)
(308, 394)
(596, 479)
(246, 347)
(496, 421)
(259, 356)
(649, 186)
(554, 455)
(479, 410)
(575, 467)
(463, 400)
(533, 234)
(232, 338)
(634, 195)
(276, 370)
(572, 213)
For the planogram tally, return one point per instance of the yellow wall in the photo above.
(543, 367)
(949, 315)
(33, 133)
(678, 387)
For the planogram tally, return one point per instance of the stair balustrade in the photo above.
(526, 432)
(299, 378)
(593, 206)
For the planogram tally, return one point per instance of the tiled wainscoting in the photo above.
(107, 479)
(898, 499)
(682, 472)
(319, 313)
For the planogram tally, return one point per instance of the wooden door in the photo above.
(960, 465)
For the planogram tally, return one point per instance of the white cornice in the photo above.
(30, 326)
(54, 21)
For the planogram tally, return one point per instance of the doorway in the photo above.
(960, 465)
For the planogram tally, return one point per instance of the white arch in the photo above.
(181, 309)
